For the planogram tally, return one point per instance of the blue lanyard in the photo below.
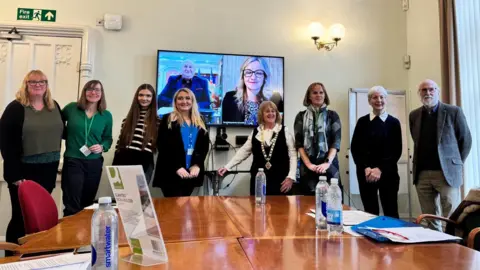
(190, 137)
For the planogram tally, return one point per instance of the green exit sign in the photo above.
(32, 14)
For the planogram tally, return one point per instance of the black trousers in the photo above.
(80, 181)
(44, 174)
(309, 180)
(387, 186)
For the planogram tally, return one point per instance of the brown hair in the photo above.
(150, 123)
(22, 95)
(306, 99)
(82, 101)
(263, 107)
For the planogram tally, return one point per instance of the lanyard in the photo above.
(190, 137)
(87, 131)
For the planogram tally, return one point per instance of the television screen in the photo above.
(228, 88)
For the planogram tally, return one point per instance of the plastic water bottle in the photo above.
(260, 187)
(321, 191)
(105, 236)
(334, 209)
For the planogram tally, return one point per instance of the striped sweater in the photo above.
(137, 140)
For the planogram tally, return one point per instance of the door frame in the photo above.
(87, 34)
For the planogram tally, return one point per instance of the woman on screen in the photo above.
(273, 149)
(138, 134)
(182, 144)
(317, 139)
(240, 106)
(376, 148)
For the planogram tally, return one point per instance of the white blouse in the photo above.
(246, 150)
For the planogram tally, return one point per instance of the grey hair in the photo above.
(377, 89)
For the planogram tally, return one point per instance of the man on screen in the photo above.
(188, 79)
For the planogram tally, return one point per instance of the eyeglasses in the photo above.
(258, 73)
(429, 89)
(97, 90)
(40, 83)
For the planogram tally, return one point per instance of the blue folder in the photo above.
(381, 222)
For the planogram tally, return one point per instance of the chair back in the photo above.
(38, 207)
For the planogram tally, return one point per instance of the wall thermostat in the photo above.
(112, 22)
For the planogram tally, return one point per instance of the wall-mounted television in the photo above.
(228, 87)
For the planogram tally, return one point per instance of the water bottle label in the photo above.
(264, 190)
(108, 246)
(324, 208)
(334, 217)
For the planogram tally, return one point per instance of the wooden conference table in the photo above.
(231, 233)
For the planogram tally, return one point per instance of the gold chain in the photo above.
(262, 143)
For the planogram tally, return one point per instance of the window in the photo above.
(468, 38)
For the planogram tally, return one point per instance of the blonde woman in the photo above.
(273, 149)
(31, 131)
(240, 106)
(182, 144)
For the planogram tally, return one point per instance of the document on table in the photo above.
(346, 229)
(352, 217)
(413, 235)
(67, 261)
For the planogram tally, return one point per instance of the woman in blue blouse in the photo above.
(182, 144)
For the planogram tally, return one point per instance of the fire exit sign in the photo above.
(32, 14)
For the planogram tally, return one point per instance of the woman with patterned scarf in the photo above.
(317, 139)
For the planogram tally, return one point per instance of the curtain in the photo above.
(467, 13)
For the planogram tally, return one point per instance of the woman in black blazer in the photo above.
(182, 144)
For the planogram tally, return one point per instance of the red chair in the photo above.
(38, 207)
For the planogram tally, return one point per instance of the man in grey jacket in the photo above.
(442, 142)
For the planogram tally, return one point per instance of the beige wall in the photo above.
(423, 39)
(378, 34)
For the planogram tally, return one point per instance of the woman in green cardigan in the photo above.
(89, 134)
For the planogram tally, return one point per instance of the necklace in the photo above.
(268, 165)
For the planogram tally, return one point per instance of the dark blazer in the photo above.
(453, 138)
(231, 112)
(11, 144)
(171, 155)
(199, 88)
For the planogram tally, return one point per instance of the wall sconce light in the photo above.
(328, 40)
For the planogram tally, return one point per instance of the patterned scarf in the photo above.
(314, 130)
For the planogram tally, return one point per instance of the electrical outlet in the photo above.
(405, 5)
(99, 22)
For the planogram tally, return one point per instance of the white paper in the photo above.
(351, 217)
(137, 212)
(355, 217)
(67, 261)
(95, 206)
(413, 235)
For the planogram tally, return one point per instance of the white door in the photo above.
(58, 58)
(397, 107)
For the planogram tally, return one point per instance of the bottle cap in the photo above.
(323, 177)
(104, 200)
(334, 181)
(260, 169)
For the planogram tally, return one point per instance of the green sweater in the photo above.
(100, 131)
